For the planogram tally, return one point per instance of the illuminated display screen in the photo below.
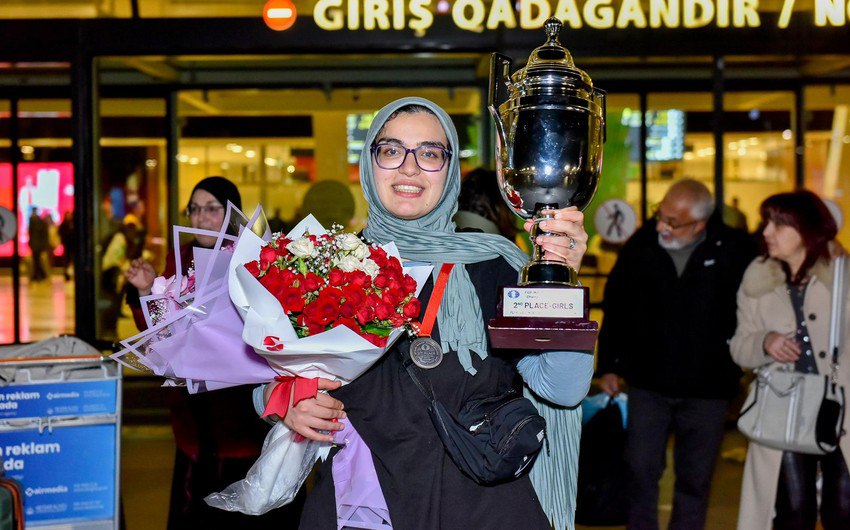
(665, 134)
(356, 126)
(46, 187)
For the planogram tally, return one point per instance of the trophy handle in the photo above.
(601, 96)
(500, 75)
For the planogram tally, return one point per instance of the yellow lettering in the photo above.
(353, 14)
(599, 14)
(322, 9)
(501, 12)
(528, 20)
(568, 12)
(375, 14)
(746, 13)
(830, 13)
(722, 13)
(631, 13)
(694, 20)
(423, 18)
(664, 13)
(398, 14)
(476, 18)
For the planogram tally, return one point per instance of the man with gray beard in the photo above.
(669, 312)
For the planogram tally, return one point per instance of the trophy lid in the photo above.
(551, 64)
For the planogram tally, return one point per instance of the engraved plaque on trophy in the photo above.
(550, 127)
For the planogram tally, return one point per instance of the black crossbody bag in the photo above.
(492, 440)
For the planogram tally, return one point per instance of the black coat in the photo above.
(669, 334)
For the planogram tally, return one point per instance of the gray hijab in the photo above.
(432, 238)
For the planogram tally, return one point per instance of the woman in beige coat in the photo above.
(783, 316)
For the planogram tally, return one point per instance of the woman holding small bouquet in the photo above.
(410, 176)
(218, 437)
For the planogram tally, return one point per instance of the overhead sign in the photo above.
(478, 15)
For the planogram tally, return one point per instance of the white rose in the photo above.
(348, 263)
(370, 267)
(349, 242)
(302, 248)
(361, 252)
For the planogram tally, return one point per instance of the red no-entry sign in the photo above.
(279, 14)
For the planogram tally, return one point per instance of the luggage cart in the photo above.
(60, 434)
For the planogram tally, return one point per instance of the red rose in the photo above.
(364, 314)
(381, 281)
(392, 296)
(412, 308)
(315, 329)
(353, 294)
(408, 284)
(332, 294)
(336, 277)
(377, 340)
(358, 279)
(394, 264)
(321, 311)
(253, 268)
(372, 300)
(291, 300)
(378, 255)
(312, 282)
(397, 320)
(350, 323)
(383, 311)
(347, 309)
(268, 256)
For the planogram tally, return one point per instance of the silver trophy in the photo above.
(550, 124)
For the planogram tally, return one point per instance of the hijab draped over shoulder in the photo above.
(432, 238)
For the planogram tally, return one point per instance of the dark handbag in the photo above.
(601, 497)
(492, 440)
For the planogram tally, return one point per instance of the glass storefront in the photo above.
(43, 292)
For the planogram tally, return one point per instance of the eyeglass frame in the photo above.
(656, 214)
(207, 208)
(374, 150)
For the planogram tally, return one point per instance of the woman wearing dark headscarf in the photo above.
(410, 176)
(784, 309)
(218, 435)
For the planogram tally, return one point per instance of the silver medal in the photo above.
(426, 353)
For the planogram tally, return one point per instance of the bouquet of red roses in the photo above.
(319, 303)
(335, 279)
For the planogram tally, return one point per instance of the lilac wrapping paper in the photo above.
(360, 502)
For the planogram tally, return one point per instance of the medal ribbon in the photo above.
(435, 300)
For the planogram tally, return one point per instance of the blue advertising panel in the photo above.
(68, 474)
(74, 398)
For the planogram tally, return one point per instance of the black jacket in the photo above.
(670, 334)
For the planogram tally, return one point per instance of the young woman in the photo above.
(783, 317)
(411, 179)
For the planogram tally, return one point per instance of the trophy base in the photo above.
(546, 317)
(546, 272)
(543, 334)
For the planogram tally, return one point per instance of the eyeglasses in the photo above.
(669, 221)
(428, 157)
(210, 209)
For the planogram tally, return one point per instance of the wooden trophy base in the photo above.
(543, 318)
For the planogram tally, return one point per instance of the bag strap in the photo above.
(836, 313)
(426, 388)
